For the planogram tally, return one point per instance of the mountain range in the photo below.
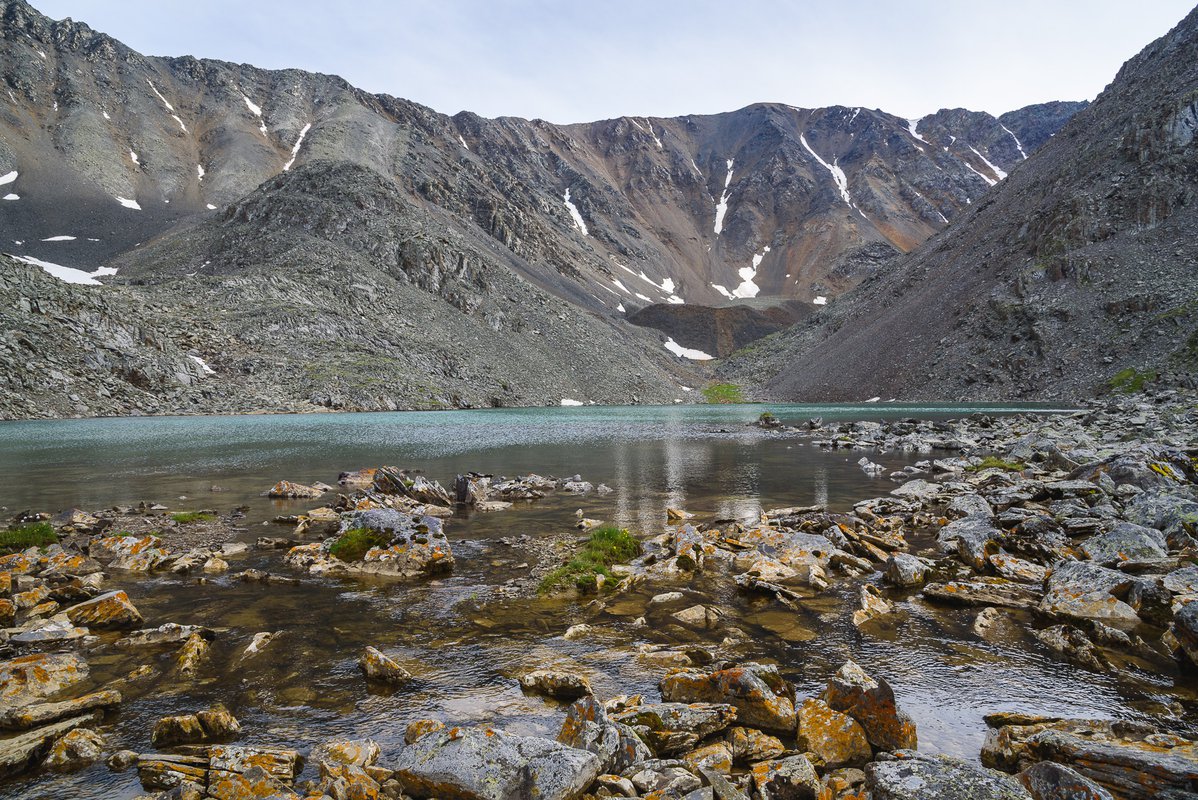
(279, 240)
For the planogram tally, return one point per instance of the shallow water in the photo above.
(465, 637)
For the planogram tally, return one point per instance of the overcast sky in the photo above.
(580, 61)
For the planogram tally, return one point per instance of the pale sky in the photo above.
(581, 61)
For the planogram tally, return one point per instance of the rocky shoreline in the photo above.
(1080, 529)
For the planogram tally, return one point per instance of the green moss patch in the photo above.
(35, 534)
(605, 547)
(994, 462)
(1131, 380)
(354, 543)
(723, 393)
(184, 517)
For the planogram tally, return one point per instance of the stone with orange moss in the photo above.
(26, 679)
(761, 697)
(110, 610)
(130, 553)
(587, 727)
(872, 704)
(790, 778)
(836, 738)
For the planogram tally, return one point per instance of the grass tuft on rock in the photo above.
(994, 462)
(1131, 380)
(184, 517)
(723, 393)
(35, 534)
(354, 543)
(605, 547)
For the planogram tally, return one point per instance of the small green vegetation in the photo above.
(131, 534)
(353, 544)
(607, 546)
(35, 534)
(723, 393)
(184, 517)
(767, 420)
(994, 462)
(1131, 380)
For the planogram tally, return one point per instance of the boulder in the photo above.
(920, 490)
(1049, 781)
(30, 716)
(671, 728)
(378, 667)
(749, 745)
(111, 610)
(904, 571)
(790, 778)
(556, 684)
(872, 703)
(27, 679)
(1185, 630)
(489, 764)
(130, 553)
(212, 725)
(74, 751)
(973, 539)
(1125, 542)
(761, 697)
(170, 633)
(871, 605)
(347, 752)
(417, 544)
(984, 591)
(835, 737)
(289, 490)
(587, 727)
(20, 752)
(916, 776)
(1080, 590)
(191, 655)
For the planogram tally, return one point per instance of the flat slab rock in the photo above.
(488, 764)
(916, 776)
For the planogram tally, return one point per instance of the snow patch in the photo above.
(133, 156)
(620, 308)
(105, 113)
(1016, 138)
(653, 133)
(60, 239)
(256, 110)
(68, 274)
(842, 181)
(913, 127)
(721, 208)
(211, 207)
(747, 287)
(577, 217)
(165, 102)
(566, 401)
(992, 167)
(981, 175)
(127, 203)
(698, 171)
(686, 352)
(641, 296)
(11, 196)
(463, 142)
(295, 148)
(675, 300)
(207, 369)
(8, 178)
(621, 286)
(820, 301)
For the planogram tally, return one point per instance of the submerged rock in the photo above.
(378, 667)
(74, 751)
(556, 684)
(1049, 781)
(111, 610)
(27, 679)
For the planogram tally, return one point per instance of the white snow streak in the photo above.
(842, 181)
(8, 178)
(1016, 138)
(724, 291)
(60, 239)
(992, 167)
(133, 156)
(641, 296)
(721, 208)
(686, 352)
(913, 126)
(981, 175)
(68, 274)
(127, 203)
(620, 308)
(653, 133)
(621, 286)
(207, 369)
(211, 207)
(11, 196)
(855, 113)
(463, 141)
(296, 147)
(166, 103)
(566, 401)
(199, 172)
(105, 113)
(256, 110)
(577, 217)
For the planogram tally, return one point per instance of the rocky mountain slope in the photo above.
(317, 245)
(1078, 273)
